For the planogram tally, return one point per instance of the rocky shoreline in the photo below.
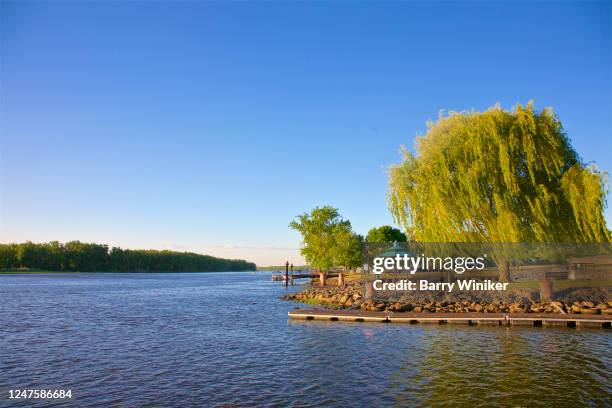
(351, 296)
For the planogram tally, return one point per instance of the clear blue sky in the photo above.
(209, 126)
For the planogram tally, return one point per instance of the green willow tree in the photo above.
(498, 177)
(327, 240)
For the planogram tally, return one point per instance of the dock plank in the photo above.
(517, 319)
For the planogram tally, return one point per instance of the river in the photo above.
(209, 339)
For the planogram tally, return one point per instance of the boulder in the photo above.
(407, 307)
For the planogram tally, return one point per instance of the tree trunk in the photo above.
(546, 289)
(504, 271)
(341, 279)
(323, 278)
(369, 289)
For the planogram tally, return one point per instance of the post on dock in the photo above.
(291, 266)
(286, 273)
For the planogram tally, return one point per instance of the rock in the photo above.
(588, 310)
(478, 307)
(588, 304)
(395, 307)
(607, 311)
(417, 309)
(558, 306)
(536, 308)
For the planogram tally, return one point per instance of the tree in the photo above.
(348, 252)
(498, 177)
(385, 235)
(8, 256)
(323, 231)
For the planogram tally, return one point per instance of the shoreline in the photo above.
(351, 297)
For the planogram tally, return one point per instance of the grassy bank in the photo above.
(27, 271)
(281, 268)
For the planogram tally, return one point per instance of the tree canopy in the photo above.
(91, 257)
(385, 234)
(349, 249)
(327, 239)
(498, 176)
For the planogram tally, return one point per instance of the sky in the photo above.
(208, 126)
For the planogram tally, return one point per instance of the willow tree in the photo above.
(498, 177)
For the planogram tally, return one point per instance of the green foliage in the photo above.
(91, 257)
(498, 176)
(385, 235)
(327, 239)
(349, 249)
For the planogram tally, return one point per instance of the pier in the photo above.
(494, 319)
(280, 276)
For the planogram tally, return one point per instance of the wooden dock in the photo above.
(494, 319)
(280, 276)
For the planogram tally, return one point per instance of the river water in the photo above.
(224, 339)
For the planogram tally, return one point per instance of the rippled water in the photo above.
(155, 340)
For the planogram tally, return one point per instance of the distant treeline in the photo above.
(91, 257)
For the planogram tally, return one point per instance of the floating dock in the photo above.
(494, 319)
